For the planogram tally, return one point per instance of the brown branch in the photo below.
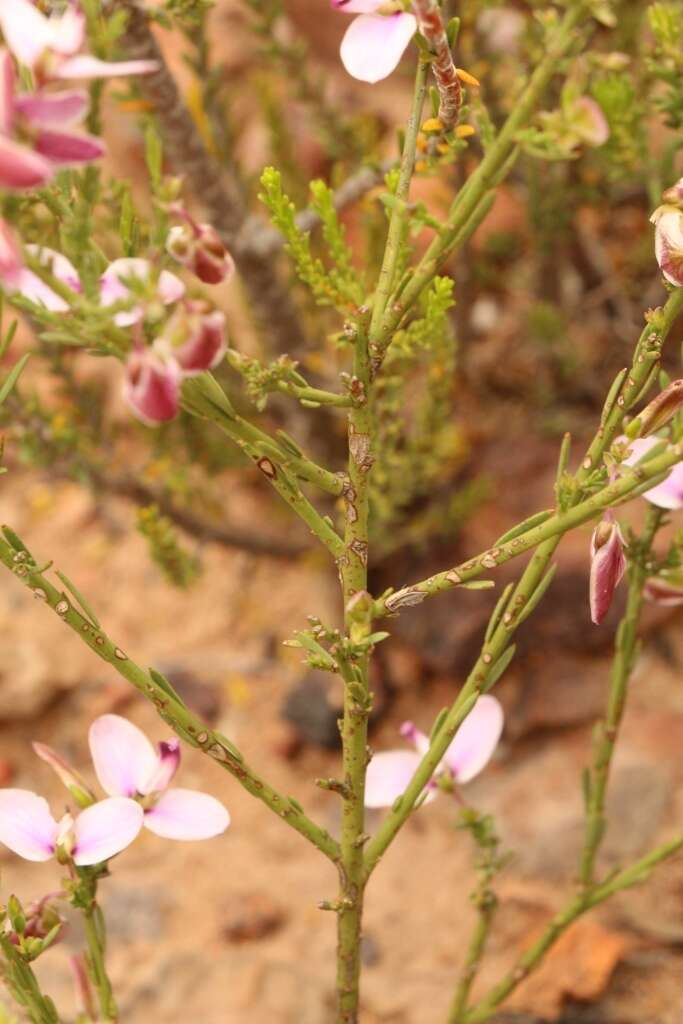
(215, 188)
(450, 91)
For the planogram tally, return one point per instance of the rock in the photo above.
(28, 683)
(251, 916)
(201, 697)
(313, 708)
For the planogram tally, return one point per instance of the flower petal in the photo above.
(151, 388)
(26, 30)
(668, 493)
(34, 289)
(86, 66)
(26, 825)
(374, 44)
(11, 261)
(7, 97)
(65, 148)
(186, 814)
(105, 829)
(48, 108)
(170, 288)
(669, 243)
(167, 765)
(608, 565)
(357, 6)
(67, 31)
(388, 775)
(113, 289)
(206, 349)
(420, 741)
(590, 121)
(62, 268)
(123, 756)
(21, 168)
(475, 740)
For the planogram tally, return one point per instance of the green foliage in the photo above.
(420, 443)
(665, 62)
(328, 288)
(180, 567)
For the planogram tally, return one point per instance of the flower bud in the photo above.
(194, 338)
(661, 409)
(199, 248)
(668, 221)
(151, 387)
(73, 781)
(589, 122)
(608, 565)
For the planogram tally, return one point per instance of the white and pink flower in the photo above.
(37, 134)
(390, 772)
(668, 222)
(667, 494)
(376, 40)
(50, 46)
(199, 248)
(128, 766)
(151, 387)
(102, 830)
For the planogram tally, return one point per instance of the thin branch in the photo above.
(531, 959)
(631, 386)
(189, 727)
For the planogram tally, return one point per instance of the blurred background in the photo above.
(193, 566)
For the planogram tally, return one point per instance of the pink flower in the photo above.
(114, 284)
(608, 565)
(128, 766)
(669, 493)
(376, 40)
(200, 249)
(96, 834)
(668, 221)
(151, 387)
(114, 287)
(665, 592)
(36, 132)
(49, 45)
(194, 337)
(589, 121)
(470, 751)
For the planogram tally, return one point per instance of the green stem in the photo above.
(616, 493)
(532, 958)
(399, 214)
(314, 396)
(626, 648)
(96, 939)
(187, 725)
(516, 607)
(632, 384)
(485, 912)
(203, 396)
(357, 606)
(23, 985)
(497, 160)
